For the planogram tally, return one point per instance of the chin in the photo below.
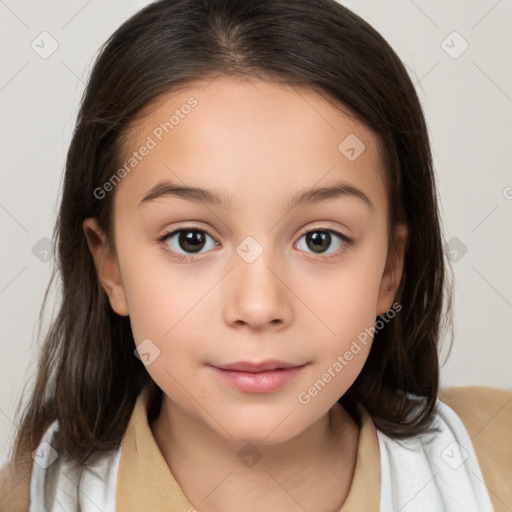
(262, 438)
(252, 430)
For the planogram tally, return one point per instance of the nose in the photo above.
(256, 295)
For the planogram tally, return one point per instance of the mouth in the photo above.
(258, 377)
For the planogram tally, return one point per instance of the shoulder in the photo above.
(15, 487)
(479, 407)
(435, 471)
(486, 413)
(56, 481)
(60, 481)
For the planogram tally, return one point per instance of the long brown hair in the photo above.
(88, 377)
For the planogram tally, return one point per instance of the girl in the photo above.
(252, 277)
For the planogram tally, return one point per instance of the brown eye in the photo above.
(191, 240)
(319, 241)
(186, 241)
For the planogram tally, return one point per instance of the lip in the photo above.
(262, 366)
(262, 377)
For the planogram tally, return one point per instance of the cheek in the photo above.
(340, 352)
(162, 306)
(345, 304)
(160, 296)
(166, 308)
(344, 297)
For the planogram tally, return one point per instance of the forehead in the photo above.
(250, 136)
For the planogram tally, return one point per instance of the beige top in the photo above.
(145, 482)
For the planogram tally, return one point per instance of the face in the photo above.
(247, 300)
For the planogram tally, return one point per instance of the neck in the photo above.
(311, 471)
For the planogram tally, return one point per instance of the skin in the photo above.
(255, 142)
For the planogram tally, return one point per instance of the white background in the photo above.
(467, 102)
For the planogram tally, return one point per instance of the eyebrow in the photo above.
(209, 196)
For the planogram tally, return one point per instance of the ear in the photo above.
(393, 271)
(106, 265)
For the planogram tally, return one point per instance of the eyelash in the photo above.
(347, 242)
